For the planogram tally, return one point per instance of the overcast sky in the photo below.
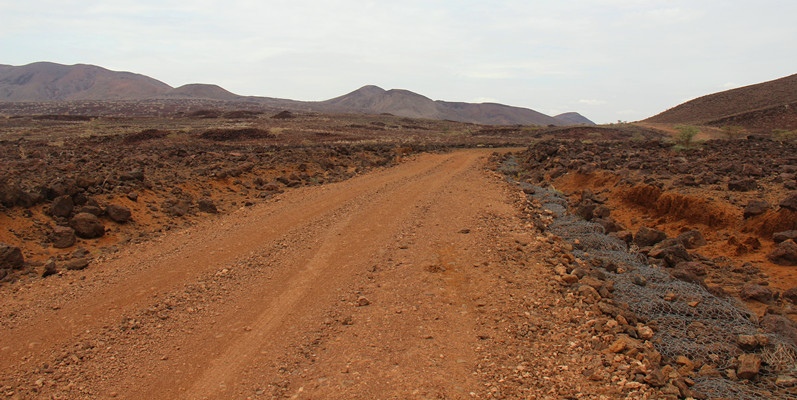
(607, 59)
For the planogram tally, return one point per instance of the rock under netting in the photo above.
(691, 321)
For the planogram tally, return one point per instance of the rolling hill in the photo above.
(760, 107)
(47, 82)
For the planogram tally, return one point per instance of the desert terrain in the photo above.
(195, 248)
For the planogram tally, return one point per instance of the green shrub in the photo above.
(686, 135)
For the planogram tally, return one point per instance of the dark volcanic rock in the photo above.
(117, 213)
(62, 206)
(755, 207)
(10, 257)
(756, 292)
(50, 268)
(648, 237)
(790, 295)
(87, 226)
(785, 253)
(742, 185)
(63, 237)
(784, 236)
(790, 202)
(77, 264)
(692, 239)
(207, 205)
(671, 251)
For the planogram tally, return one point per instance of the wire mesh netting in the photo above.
(690, 321)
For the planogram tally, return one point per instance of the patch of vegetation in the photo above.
(686, 136)
(785, 135)
(733, 132)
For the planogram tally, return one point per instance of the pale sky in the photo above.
(606, 59)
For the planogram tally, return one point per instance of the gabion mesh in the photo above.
(690, 321)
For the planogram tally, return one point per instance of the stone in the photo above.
(10, 257)
(134, 175)
(117, 213)
(749, 366)
(790, 295)
(76, 264)
(747, 342)
(784, 236)
(648, 237)
(589, 293)
(785, 253)
(790, 202)
(755, 208)
(91, 209)
(644, 332)
(50, 268)
(752, 291)
(87, 226)
(362, 301)
(63, 237)
(692, 239)
(62, 206)
(207, 205)
(742, 185)
(671, 251)
(778, 324)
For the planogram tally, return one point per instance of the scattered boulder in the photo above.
(784, 236)
(117, 213)
(742, 185)
(134, 175)
(790, 295)
(77, 264)
(63, 237)
(752, 291)
(749, 366)
(87, 226)
(785, 253)
(755, 208)
(671, 251)
(50, 268)
(692, 239)
(10, 257)
(62, 206)
(177, 208)
(648, 237)
(207, 205)
(91, 209)
(790, 202)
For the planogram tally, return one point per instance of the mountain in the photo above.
(762, 106)
(573, 118)
(45, 82)
(202, 91)
(373, 99)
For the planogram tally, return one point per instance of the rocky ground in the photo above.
(720, 215)
(378, 271)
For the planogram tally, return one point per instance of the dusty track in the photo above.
(394, 284)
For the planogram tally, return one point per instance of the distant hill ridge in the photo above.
(46, 81)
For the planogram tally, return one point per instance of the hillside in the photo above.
(760, 106)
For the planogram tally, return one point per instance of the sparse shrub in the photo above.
(686, 136)
(733, 132)
(785, 135)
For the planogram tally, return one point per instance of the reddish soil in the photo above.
(414, 281)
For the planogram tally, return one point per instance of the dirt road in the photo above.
(418, 281)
